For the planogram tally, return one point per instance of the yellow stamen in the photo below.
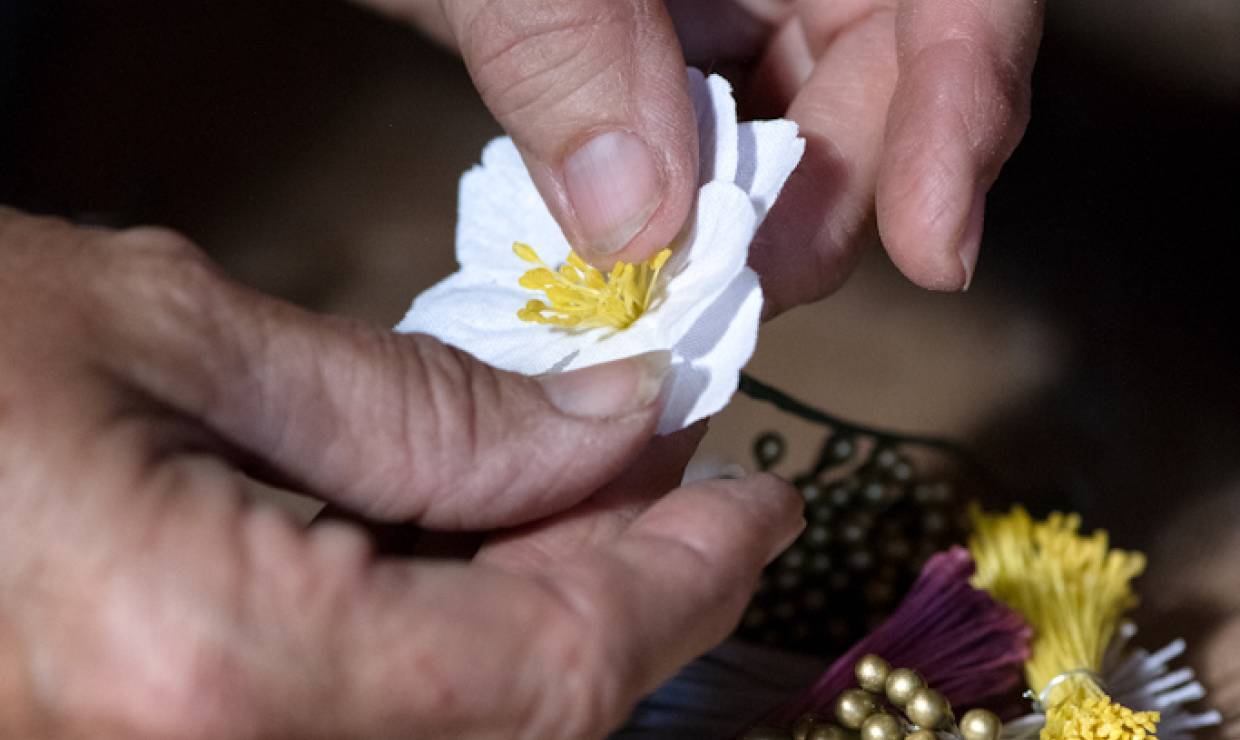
(1072, 590)
(581, 297)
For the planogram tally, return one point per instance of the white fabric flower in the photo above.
(707, 302)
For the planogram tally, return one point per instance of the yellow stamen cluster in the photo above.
(1092, 717)
(1072, 590)
(581, 297)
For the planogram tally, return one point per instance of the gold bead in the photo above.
(980, 724)
(927, 708)
(805, 723)
(828, 731)
(921, 735)
(766, 733)
(872, 673)
(901, 684)
(853, 706)
(881, 726)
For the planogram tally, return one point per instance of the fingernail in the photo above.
(786, 542)
(611, 389)
(614, 187)
(971, 238)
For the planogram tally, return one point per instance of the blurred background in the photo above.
(314, 150)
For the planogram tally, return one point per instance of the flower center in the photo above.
(1085, 717)
(581, 297)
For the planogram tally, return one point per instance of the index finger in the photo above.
(958, 111)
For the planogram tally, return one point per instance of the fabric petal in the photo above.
(499, 205)
(713, 255)
(481, 319)
(768, 151)
(716, 120)
(707, 360)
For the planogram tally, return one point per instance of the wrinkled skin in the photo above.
(909, 109)
(144, 594)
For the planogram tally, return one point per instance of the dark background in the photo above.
(314, 150)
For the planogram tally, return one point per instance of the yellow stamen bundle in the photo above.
(581, 297)
(1072, 590)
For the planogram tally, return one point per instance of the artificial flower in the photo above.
(522, 301)
(1073, 590)
(1137, 678)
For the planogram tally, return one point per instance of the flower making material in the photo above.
(957, 637)
(1135, 677)
(524, 302)
(1073, 590)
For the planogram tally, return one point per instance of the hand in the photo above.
(144, 594)
(909, 109)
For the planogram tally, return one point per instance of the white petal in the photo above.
(480, 317)
(713, 255)
(601, 345)
(716, 120)
(768, 153)
(499, 205)
(708, 359)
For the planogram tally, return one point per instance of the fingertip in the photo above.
(631, 196)
(748, 520)
(956, 116)
(927, 186)
(784, 506)
(614, 186)
(594, 94)
(971, 240)
(930, 231)
(610, 390)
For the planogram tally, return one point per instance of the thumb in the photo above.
(594, 94)
(394, 427)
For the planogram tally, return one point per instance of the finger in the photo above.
(244, 624)
(595, 521)
(810, 242)
(397, 427)
(427, 15)
(694, 558)
(711, 32)
(594, 94)
(957, 113)
(566, 653)
(605, 515)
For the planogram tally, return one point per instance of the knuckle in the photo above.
(587, 695)
(48, 272)
(425, 428)
(450, 414)
(161, 307)
(162, 270)
(159, 262)
(194, 701)
(152, 680)
(158, 239)
(31, 248)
